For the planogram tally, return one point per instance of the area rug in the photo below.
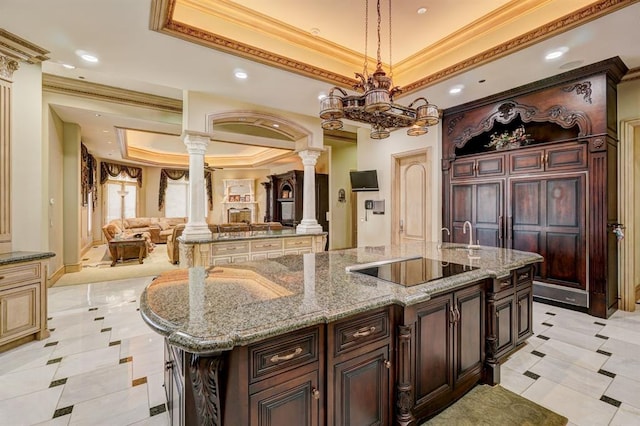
(96, 267)
(494, 405)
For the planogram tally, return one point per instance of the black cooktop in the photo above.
(410, 272)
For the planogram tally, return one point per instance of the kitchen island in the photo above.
(374, 335)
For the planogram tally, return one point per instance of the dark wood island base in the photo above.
(395, 365)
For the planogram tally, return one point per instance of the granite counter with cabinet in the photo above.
(233, 247)
(374, 335)
(23, 297)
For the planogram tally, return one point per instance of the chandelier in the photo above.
(375, 103)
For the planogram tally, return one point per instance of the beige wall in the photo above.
(376, 154)
(344, 158)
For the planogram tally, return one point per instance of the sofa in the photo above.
(158, 228)
(173, 246)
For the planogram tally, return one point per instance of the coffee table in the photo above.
(116, 248)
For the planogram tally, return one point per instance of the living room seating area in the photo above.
(158, 228)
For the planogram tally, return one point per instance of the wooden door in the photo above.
(548, 217)
(361, 390)
(482, 205)
(412, 194)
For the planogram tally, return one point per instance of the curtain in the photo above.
(174, 174)
(113, 170)
(87, 176)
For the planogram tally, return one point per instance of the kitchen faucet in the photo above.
(464, 231)
(439, 241)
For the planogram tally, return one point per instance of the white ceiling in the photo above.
(134, 57)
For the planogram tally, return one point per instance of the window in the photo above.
(177, 200)
(122, 198)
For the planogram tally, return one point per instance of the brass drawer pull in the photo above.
(364, 332)
(278, 358)
(505, 284)
(315, 393)
(523, 276)
(387, 363)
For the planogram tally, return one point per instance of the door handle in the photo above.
(401, 225)
(500, 229)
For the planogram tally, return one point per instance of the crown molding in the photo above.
(20, 49)
(632, 74)
(563, 24)
(85, 89)
(162, 21)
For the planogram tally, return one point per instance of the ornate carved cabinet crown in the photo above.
(534, 169)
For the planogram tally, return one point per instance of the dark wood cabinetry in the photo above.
(285, 195)
(555, 195)
(449, 341)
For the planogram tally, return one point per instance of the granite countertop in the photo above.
(23, 256)
(212, 310)
(248, 235)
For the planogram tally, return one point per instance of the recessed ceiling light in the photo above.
(240, 74)
(89, 58)
(109, 142)
(422, 11)
(456, 89)
(314, 31)
(556, 53)
(98, 115)
(105, 131)
(68, 66)
(570, 65)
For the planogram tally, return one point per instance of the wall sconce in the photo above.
(341, 196)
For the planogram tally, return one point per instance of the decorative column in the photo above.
(309, 224)
(7, 67)
(196, 227)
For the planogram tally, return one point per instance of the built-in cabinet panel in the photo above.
(482, 205)
(559, 178)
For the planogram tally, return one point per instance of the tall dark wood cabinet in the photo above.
(554, 191)
(285, 195)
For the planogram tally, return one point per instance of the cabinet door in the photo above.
(526, 161)
(19, 311)
(295, 402)
(433, 350)
(548, 217)
(463, 169)
(361, 390)
(566, 158)
(505, 330)
(469, 334)
(482, 205)
(173, 387)
(524, 313)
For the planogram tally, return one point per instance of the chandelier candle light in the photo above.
(375, 105)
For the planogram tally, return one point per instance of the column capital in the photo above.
(7, 67)
(309, 156)
(196, 142)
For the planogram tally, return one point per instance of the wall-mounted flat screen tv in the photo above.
(365, 180)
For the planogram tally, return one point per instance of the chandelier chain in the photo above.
(366, 38)
(379, 57)
(390, 33)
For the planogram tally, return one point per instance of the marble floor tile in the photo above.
(576, 406)
(35, 407)
(521, 361)
(577, 324)
(514, 381)
(118, 408)
(626, 334)
(31, 355)
(621, 348)
(76, 330)
(88, 361)
(58, 421)
(147, 363)
(629, 367)
(626, 416)
(161, 419)
(155, 387)
(140, 344)
(129, 331)
(577, 378)
(96, 383)
(573, 354)
(70, 346)
(625, 390)
(591, 343)
(23, 382)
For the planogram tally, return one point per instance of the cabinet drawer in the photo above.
(463, 169)
(19, 311)
(502, 284)
(280, 354)
(19, 273)
(356, 332)
(290, 243)
(230, 248)
(567, 157)
(266, 245)
(523, 276)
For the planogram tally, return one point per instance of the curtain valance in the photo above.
(174, 174)
(113, 170)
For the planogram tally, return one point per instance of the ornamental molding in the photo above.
(21, 50)
(7, 67)
(101, 92)
(509, 110)
(581, 89)
(161, 20)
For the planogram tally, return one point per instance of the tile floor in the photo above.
(103, 365)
